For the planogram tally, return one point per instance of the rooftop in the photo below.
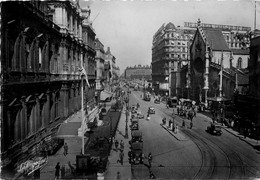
(215, 39)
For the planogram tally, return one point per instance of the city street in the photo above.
(200, 156)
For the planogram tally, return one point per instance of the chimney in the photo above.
(108, 50)
(199, 22)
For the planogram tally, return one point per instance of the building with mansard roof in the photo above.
(170, 46)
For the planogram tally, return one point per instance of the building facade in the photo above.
(111, 60)
(89, 60)
(211, 56)
(138, 72)
(42, 50)
(100, 65)
(170, 46)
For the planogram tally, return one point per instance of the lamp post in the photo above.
(82, 116)
(111, 133)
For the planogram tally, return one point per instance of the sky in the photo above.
(127, 27)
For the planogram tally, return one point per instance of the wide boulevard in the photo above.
(199, 156)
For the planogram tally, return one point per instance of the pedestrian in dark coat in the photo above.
(150, 159)
(122, 144)
(57, 171)
(118, 176)
(65, 149)
(116, 144)
(121, 157)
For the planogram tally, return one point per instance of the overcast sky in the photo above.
(127, 27)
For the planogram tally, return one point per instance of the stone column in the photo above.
(64, 100)
(206, 74)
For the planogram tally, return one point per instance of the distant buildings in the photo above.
(138, 72)
(111, 61)
(100, 67)
(170, 46)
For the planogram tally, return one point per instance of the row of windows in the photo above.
(39, 56)
(176, 49)
(176, 56)
(177, 43)
(177, 35)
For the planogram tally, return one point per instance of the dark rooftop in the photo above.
(215, 39)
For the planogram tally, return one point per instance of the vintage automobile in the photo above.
(136, 137)
(151, 110)
(157, 101)
(133, 109)
(134, 124)
(136, 153)
(172, 102)
(139, 115)
(214, 129)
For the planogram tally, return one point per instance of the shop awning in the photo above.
(104, 95)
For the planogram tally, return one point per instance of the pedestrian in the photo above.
(116, 144)
(121, 157)
(62, 172)
(245, 133)
(122, 144)
(57, 170)
(150, 159)
(118, 176)
(65, 147)
(183, 123)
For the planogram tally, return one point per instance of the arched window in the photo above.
(239, 63)
(16, 59)
(56, 104)
(40, 58)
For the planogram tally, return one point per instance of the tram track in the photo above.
(210, 168)
(207, 157)
(218, 161)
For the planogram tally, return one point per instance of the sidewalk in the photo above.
(113, 167)
(74, 148)
(252, 142)
(69, 132)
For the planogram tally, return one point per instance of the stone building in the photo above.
(42, 50)
(111, 60)
(138, 72)
(102, 78)
(209, 53)
(170, 46)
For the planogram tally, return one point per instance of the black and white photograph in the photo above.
(130, 89)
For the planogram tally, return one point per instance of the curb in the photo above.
(227, 130)
(174, 135)
(241, 138)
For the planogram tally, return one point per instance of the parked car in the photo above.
(157, 101)
(139, 115)
(136, 153)
(136, 137)
(172, 102)
(151, 110)
(134, 124)
(214, 129)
